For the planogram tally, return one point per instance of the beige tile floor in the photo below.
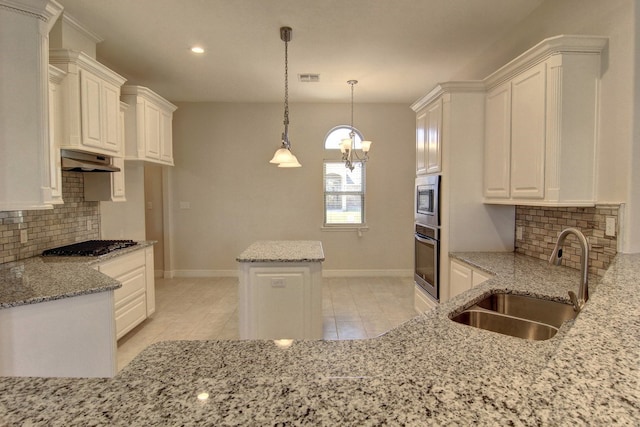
(207, 309)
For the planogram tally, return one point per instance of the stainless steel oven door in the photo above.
(426, 265)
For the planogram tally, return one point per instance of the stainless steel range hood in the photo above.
(85, 162)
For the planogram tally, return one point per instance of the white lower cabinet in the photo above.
(280, 300)
(421, 301)
(69, 337)
(131, 300)
(462, 278)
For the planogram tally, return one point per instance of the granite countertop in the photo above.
(39, 279)
(283, 251)
(428, 371)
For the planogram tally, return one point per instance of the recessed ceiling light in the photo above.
(197, 49)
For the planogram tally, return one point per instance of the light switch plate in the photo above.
(610, 226)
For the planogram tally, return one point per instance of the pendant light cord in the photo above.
(286, 93)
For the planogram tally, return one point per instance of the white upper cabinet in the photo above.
(429, 138)
(26, 154)
(540, 125)
(91, 104)
(148, 126)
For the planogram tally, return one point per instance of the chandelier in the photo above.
(348, 145)
(283, 157)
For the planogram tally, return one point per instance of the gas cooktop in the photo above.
(89, 248)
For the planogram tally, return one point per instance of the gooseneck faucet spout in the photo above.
(556, 258)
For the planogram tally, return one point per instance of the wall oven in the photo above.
(427, 234)
(427, 260)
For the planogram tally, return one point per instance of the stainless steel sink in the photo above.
(517, 315)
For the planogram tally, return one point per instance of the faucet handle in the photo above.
(577, 305)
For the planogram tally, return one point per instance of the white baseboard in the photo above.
(325, 273)
(367, 273)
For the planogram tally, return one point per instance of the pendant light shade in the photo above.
(283, 157)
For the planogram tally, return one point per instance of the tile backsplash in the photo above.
(73, 221)
(541, 226)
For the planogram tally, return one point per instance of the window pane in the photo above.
(344, 209)
(339, 178)
(337, 134)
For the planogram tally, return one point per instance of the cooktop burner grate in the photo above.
(89, 248)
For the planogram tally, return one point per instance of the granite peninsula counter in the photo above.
(428, 371)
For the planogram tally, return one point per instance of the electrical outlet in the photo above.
(24, 237)
(149, 205)
(519, 232)
(185, 205)
(610, 226)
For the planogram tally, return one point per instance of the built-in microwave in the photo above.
(427, 200)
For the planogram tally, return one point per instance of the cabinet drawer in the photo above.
(133, 283)
(130, 315)
(121, 265)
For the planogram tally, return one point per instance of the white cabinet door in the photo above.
(166, 137)
(497, 149)
(152, 130)
(528, 109)
(460, 279)
(111, 117)
(421, 147)
(91, 109)
(434, 137)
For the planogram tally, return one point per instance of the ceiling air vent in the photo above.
(309, 78)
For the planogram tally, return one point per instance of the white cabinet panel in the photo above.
(460, 279)
(497, 151)
(434, 137)
(528, 127)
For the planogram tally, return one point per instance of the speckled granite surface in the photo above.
(40, 279)
(283, 251)
(428, 371)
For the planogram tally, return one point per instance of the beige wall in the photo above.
(614, 19)
(236, 197)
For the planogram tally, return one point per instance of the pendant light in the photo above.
(283, 157)
(348, 145)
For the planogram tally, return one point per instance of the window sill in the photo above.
(346, 227)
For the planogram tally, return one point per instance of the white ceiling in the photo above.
(397, 49)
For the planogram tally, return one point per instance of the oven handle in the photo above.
(426, 240)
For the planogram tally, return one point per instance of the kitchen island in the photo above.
(428, 371)
(280, 290)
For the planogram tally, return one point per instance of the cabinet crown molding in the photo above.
(65, 57)
(149, 94)
(583, 44)
(448, 87)
(46, 10)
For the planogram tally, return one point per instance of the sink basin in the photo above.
(517, 315)
(507, 325)
(541, 310)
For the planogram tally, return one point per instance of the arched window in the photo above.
(343, 188)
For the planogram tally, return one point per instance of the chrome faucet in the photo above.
(556, 258)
